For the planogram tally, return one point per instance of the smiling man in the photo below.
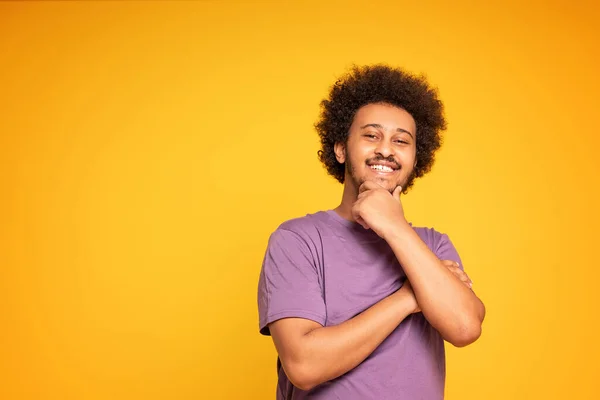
(358, 301)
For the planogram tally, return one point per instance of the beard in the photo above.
(358, 180)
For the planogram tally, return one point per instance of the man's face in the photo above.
(381, 147)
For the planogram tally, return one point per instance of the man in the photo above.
(358, 302)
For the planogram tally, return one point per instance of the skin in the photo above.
(311, 354)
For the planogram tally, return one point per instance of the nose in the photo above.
(384, 148)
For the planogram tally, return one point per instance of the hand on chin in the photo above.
(378, 208)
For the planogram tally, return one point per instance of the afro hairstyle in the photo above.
(380, 84)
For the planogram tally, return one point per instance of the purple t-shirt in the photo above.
(327, 269)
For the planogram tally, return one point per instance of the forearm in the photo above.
(329, 352)
(448, 305)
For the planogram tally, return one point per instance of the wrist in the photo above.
(396, 229)
(405, 302)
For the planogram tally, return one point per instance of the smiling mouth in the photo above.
(381, 168)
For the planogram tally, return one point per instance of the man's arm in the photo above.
(312, 354)
(449, 306)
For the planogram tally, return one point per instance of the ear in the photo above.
(340, 152)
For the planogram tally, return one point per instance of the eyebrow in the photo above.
(379, 126)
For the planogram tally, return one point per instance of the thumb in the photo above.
(397, 192)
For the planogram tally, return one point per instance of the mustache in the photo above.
(389, 159)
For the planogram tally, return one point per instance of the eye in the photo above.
(370, 135)
(402, 141)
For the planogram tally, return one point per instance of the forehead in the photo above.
(389, 116)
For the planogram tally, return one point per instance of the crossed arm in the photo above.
(312, 354)
(451, 307)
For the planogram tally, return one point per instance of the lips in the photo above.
(383, 166)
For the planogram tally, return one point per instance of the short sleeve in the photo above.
(289, 283)
(445, 250)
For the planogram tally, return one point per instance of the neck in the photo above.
(349, 197)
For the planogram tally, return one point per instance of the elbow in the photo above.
(466, 334)
(468, 330)
(306, 386)
(301, 375)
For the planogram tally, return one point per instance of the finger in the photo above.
(356, 208)
(453, 264)
(397, 192)
(465, 279)
(356, 215)
(450, 262)
(368, 185)
(460, 274)
(362, 223)
(453, 267)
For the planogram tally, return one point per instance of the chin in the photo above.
(386, 184)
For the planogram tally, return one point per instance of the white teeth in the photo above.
(383, 168)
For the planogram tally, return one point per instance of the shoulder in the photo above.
(439, 243)
(303, 230)
(433, 238)
(305, 226)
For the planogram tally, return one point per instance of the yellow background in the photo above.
(148, 149)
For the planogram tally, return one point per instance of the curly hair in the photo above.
(380, 84)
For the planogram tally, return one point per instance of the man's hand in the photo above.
(377, 209)
(407, 291)
(459, 273)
